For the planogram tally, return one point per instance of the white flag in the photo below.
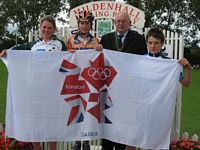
(60, 96)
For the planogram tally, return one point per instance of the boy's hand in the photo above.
(3, 53)
(184, 62)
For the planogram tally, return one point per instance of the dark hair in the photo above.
(49, 19)
(156, 33)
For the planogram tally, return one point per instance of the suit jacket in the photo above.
(133, 43)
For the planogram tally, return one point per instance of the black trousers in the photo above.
(109, 145)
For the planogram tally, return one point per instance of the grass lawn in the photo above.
(3, 83)
(190, 117)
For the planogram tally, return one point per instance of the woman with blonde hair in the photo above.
(47, 42)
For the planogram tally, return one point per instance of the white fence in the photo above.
(94, 145)
(194, 137)
(174, 47)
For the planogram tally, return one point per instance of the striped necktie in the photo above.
(120, 40)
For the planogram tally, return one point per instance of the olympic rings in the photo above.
(99, 73)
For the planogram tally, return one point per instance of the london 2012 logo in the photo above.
(94, 81)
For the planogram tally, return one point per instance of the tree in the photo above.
(74, 4)
(180, 16)
(25, 14)
(3, 23)
(138, 4)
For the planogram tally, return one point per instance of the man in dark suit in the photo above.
(124, 40)
(132, 42)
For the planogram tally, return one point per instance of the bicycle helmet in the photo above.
(85, 16)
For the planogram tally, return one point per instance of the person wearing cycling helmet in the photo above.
(83, 39)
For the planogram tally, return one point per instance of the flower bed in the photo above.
(12, 144)
(184, 144)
